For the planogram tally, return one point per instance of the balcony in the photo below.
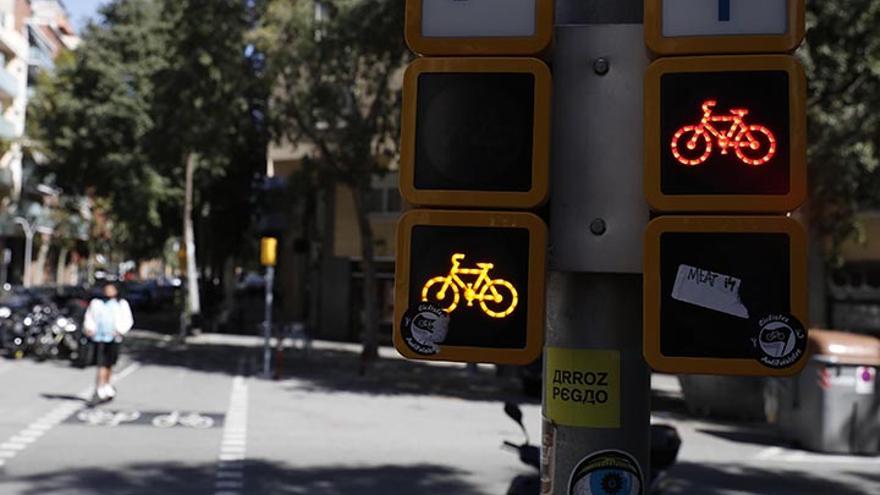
(8, 87)
(7, 129)
(13, 44)
(40, 58)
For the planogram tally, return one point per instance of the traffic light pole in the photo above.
(588, 310)
(267, 322)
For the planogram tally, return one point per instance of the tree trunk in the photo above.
(61, 268)
(38, 272)
(194, 306)
(90, 263)
(370, 336)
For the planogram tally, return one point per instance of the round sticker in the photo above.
(609, 472)
(780, 341)
(424, 327)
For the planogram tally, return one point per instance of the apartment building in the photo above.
(14, 50)
(320, 250)
(32, 35)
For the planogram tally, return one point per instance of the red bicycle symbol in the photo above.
(754, 144)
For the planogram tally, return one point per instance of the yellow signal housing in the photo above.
(268, 251)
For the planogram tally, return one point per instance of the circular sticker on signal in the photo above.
(609, 472)
(424, 328)
(780, 340)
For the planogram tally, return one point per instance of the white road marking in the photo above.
(769, 452)
(229, 478)
(27, 436)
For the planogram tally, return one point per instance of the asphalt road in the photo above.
(197, 420)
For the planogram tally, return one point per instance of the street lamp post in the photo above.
(28, 247)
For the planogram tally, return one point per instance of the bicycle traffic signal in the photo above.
(488, 27)
(720, 293)
(470, 286)
(476, 132)
(725, 134)
(688, 27)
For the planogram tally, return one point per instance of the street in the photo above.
(197, 420)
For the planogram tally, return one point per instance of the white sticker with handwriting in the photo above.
(709, 290)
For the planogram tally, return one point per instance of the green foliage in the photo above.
(93, 115)
(842, 59)
(334, 80)
(154, 81)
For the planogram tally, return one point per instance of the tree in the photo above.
(207, 105)
(333, 67)
(92, 115)
(158, 92)
(842, 59)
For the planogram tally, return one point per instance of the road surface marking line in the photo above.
(19, 441)
(769, 452)
(124, 373)
(229, 474)
(233, 446)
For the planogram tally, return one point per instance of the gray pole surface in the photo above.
(599, 102)
(267, 328)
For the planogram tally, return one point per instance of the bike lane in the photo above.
(337, 433)
(30, 390)
(160, 435)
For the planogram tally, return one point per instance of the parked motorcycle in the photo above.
(41, 328)
(14, 338)
(57, 337)
(665, 443)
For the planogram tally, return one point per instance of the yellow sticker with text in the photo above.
(583, 387)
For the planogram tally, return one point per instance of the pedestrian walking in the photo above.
(106, 322)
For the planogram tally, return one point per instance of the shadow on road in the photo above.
(336, 370)
(724, 479)
(261, 477)
(327, 370)
(666, 402)
(67, 397)
(748, 433)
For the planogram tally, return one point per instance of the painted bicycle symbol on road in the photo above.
(101, 417)
(498, 298)
(754, 145)
(191, 420)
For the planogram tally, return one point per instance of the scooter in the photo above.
(665, 444)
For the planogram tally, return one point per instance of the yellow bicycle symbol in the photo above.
(498, 298)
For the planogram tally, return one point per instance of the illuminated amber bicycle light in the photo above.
(484, 289)
(742, 137)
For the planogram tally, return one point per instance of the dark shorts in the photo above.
(106, 354)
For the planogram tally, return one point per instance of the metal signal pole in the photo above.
(596, 382)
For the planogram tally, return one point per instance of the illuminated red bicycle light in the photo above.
(740, 136)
